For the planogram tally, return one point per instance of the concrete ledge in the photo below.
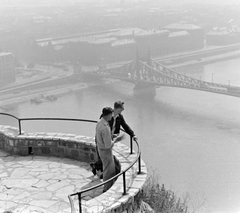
(81, 148)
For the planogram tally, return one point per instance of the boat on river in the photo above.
(50, 98)
(42, 98)
(7, 107)
(35, 100)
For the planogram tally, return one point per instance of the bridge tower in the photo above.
(143, 89)
(149, 60)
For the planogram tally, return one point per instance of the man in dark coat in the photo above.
(118, 121)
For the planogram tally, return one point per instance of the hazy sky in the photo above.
(172, 2)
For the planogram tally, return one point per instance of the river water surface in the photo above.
(191, 138)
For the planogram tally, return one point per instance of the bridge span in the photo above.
(153, 73)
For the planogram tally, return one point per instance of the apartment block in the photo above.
(7, 68)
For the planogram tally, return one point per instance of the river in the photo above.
(190, 138)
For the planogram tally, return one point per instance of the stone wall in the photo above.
(81, 148)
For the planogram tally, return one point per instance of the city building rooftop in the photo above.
(182, 26)
(126, 32)
(102, 41)
(218, 33)
(151, 32)
(5, 53)
(178, 33)
(123, 42)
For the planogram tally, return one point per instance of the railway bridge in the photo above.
(153, 74)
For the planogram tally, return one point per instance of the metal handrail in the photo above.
(53, 119)
(138, 158)
(9, 115)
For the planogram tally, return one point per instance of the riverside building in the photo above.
(122, 44)
(7, 68)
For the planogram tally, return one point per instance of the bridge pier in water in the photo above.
(144, 89)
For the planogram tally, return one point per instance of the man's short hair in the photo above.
(118, 104)
(107, 111)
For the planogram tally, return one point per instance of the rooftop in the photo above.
(220, 33)
(182, 26)
(126, 32)
(123, 42)
(5, 53)
(178, 33)
(151, 32)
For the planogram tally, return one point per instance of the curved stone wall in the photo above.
(48, 144)
(81, 148)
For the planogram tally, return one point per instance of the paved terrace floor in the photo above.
(42, 184)
(38, 184)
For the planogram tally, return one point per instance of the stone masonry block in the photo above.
(37, 150)
(86, 148)
(26, 143)
(39, 143)
(86, 157)
(62, 143)
(58, 151)
(23, 151)
(21, 137)
(9, 149)
(71, 145)
(80, 146)
(68, 153)
(50, 143)
(31, 143)
(11, 142)
(75, 154)
(19, 143)
(46, 150)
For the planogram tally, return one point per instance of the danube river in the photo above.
(190, 138)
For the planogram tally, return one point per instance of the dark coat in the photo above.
(120, 122)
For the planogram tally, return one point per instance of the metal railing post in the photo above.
(19, 126)
(139, 164)
(124, 184)
(131, 145)
(80, 202)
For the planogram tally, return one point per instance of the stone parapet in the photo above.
(77, 147)
(82, 148)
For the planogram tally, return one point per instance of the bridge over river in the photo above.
(154, 74)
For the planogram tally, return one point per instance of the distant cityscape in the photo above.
(91, 34)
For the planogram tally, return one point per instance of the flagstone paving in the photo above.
(42, 184)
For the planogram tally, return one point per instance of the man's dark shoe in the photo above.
(93, 168)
